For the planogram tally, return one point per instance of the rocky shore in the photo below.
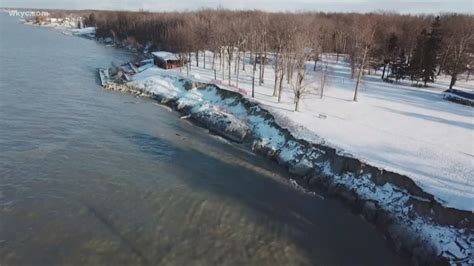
(412, 220)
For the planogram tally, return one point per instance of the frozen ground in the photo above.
(404, 129)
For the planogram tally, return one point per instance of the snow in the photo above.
(450, 242)
(165, 55)
(408, 130)
(270, 136)
(83, 31)
(444, 239)
(157, 81)
(68, 23)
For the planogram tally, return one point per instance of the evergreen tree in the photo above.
(428, 67)
(425, 57)
(390, 52)
(436, 34)
(415, 68)
(430, 61)
(399, 67)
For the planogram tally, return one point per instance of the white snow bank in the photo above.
(83, 31)
(157, 81)
(404, 129)
(447, 241)
(169, 84)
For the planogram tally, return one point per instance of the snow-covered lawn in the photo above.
(404, 129)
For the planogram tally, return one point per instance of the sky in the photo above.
(400, 6)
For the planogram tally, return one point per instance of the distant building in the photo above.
(166, 60)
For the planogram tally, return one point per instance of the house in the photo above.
(166, 60)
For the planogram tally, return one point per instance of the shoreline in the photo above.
(412, 221)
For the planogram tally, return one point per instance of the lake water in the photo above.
(92, 177)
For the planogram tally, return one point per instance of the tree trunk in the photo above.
(276, 75)
(220, 59)
(353, 66)
(445, 55)
(264, 62)
(280, 86)
(323, 81)
(275, 84)
(236, 65)
(344, 43)
(383, 71)
(361, 69)
(459, 56)
(229, 64)
(253, 76)
(260, 73)
(292, 72)
(188, 64)
(453, 80)
(238, 70)
(288, 70)
(204, 59)
(251, 56)
(197, 58)
(297, 103)
(223, 66)
(359, 75)
(214, 60)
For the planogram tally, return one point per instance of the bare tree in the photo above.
(280, 32)
(323, 78)
(302, 53)
(461, 34)
(366, 27)
(230, 35)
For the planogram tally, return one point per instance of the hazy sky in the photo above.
(402, 6)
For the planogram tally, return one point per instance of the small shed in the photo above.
(166, 60)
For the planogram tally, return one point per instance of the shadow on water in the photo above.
(114, 231)
(135, 197)
(323, 229)
(151, 145)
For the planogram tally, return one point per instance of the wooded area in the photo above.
(418, 47)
